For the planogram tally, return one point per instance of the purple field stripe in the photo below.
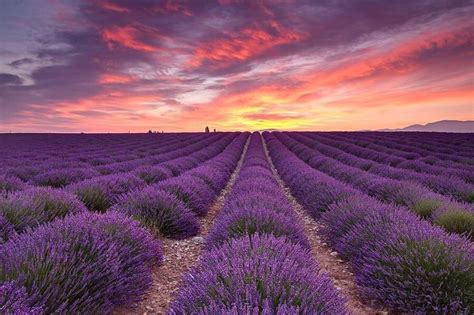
(456, 188)
(375, 236)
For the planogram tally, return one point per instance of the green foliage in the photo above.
(424, 208)
(457, 222)
(94, 198)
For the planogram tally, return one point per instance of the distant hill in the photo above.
(440, 126)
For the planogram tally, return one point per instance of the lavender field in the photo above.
(237, 223)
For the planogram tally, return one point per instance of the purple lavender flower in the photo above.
(247, 222)
(36, 206)
(257, 200)
(159, 210)
(194, 192)
(86, 263)
(10, 184)
(215, 177)
(7, 230)
(62, 177)
(258, 273)
(100, 193)
(152, 174)
(14, 300)
(24, 172)
(256, 172)
(418, 269)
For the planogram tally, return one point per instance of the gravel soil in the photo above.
(340, 271)
(179, 257)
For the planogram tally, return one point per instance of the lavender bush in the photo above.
(264, 273)
(454, 220)
(14, 300)
(100, 193)
(159, 210)
(10, 184)
(152, 174)
(276, 201)
(215, 177)
(36, 206)
(418, 270)
(248, 222)
(7, 230)
(194, 192)
(62, 177)
(86, 263)
(398, 258)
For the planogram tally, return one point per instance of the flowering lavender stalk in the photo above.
(14, 300)
(10, 184)
(62, 177)
(418, 269)
(7, 230)
(194, 192)
(159, 210)
(262, 273)
(152, 174)
(248, 222)
(100, 193)
(86, 263)
(36, 206)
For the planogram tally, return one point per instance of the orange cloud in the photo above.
(108, 78)
(113, 7)
(404, 59)
(243, 45)
(349, 93)
(125, 36)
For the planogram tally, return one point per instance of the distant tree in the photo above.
(206, 130)
(215, 130)
(149, 131)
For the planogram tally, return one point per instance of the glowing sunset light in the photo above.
(117, 65)
(113, 78)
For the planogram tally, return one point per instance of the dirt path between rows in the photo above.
(328, 260)
(179, 257)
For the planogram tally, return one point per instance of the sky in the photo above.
(119, 66)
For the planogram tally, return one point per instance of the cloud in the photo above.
(113, 7)
(242, 45)
(232, 64)
(126, 36)
(20, 62)
(108, 78)
(9, 79)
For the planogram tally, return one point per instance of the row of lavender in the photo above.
(257, 258)
(399, 259)
(171, 207)
(64, 169)
(412, 157)
(30, 207)
(453, 216)
(62, 258)
(348, 154)
(453, 147)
